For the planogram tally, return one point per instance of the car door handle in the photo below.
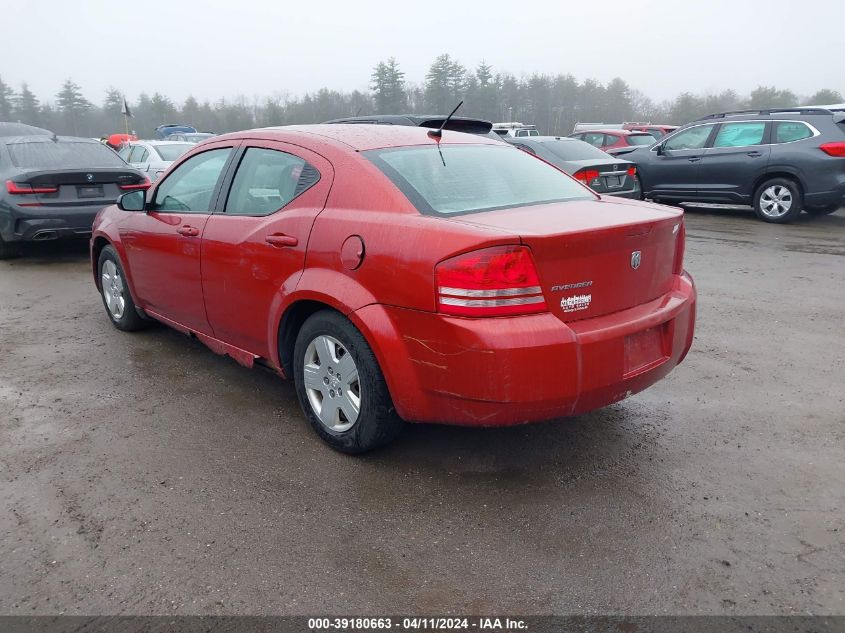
(755, 154)
(188, 231)
(694, 159)
(280, 240)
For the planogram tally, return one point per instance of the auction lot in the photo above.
(142, 474)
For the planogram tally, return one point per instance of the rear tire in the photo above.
(115, 294)
(778, 200)
(9, 250)
(340, 386)
(831, 208)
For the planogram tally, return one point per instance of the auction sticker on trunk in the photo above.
(575, 303)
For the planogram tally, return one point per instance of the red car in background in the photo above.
(613, 139)
(397, 275)
(656, 130)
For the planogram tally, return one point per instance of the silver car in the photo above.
(190, 137)
(153, 157)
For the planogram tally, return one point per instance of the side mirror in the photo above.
(660, 149)
(132, 201)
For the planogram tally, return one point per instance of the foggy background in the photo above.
(225, 65)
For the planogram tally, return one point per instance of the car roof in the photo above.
(10, 128)
(157, 142)
(43, 138)
(362, 137)
(615, 131)
(544, 139)
(421, 120)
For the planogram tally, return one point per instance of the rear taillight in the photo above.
(496, 281)
(18, 188)
(680, 246)
(833, 149)
(632, 171)
(145, 184)
(586, 175)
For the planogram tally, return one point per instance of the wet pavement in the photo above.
(142, 474)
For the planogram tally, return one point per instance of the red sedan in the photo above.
(400, 276)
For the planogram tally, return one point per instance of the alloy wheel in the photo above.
(113, 289)
(332, 383)
(776, 201)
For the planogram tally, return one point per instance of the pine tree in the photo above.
(389, 88)
(73, 106)
(6, 94)
(27, 109)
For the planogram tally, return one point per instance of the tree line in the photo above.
(554, 103)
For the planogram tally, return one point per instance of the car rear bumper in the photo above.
(37, 223)
(635, 194)
(506, 371)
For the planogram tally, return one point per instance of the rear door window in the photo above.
(596, 139)
(610, 139)
(740, 134)
(268, 180)
(788, 131)
(190, 187)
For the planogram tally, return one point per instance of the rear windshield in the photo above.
(574, 150)
(62, 155)
(172, 152)
(640, 139)
(471, 178)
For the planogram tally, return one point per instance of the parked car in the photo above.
(456, 123)
(373, 264)
(191, 137)
(163, 131)
(53, 186)
(608, 140)
(515, 129)
(657, 131)
(779, 161)
(153, 157)
(604, 174)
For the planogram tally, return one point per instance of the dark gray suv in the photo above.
(778, 161)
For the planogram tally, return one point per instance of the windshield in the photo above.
(474, 178)
(62, 154)
(173, 151)
(640, 139)
(574, 150)
(196, 138)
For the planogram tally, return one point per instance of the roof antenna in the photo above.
(438, 133)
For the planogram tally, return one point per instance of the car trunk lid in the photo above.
(76, 187)
(595, 257)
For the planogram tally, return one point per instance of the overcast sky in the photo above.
(226, 48)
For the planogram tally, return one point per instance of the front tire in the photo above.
(778, 201)
(115, 293)
(340, 386)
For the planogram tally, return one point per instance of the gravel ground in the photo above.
(142, 474)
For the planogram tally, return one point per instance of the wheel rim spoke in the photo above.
(330, 378)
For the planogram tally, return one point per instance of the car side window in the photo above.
(595, 139)
(124, 153)
(189, 187)
(692, 138)
(740, 134)
(788, 131)
(610, 139)
(267, 180)
(139, 154)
